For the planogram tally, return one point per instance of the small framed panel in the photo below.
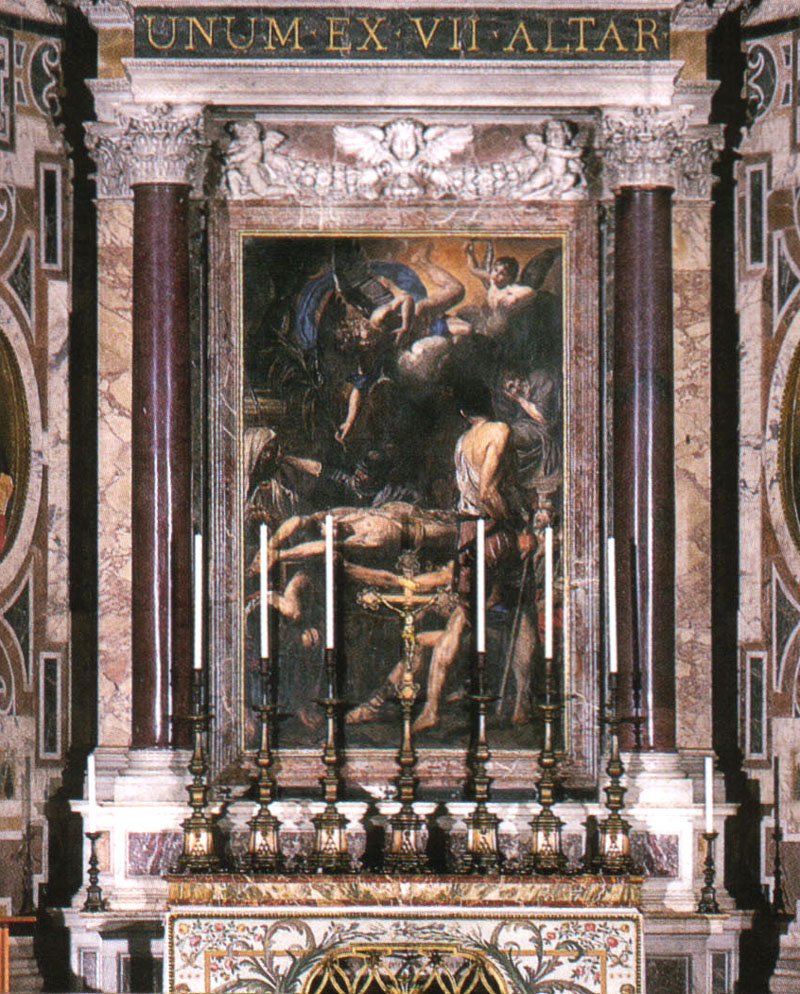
(7, 101)
(50, 706)
(360, 373)
(755, 716)
(51, 237)
(756, 188)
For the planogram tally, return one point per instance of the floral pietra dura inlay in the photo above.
(573, 953)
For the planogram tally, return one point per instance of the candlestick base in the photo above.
(707, 905)
(330, 842)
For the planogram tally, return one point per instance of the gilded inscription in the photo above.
(294, 32)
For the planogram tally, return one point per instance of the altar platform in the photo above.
(320, 933)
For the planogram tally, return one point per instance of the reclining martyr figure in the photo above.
(366, 531)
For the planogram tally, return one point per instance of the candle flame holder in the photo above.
(263, 849)
(482, 854)
(546, 855)
(198, 854)
(707, 905)
(330, 840)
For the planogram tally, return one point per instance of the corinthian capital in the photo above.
(648, 147)
(158, 144)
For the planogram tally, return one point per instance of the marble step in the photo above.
(786, 977)
(24, 976)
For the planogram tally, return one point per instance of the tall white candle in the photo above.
(91, 792)
(548, 592)
(329, 625)
(708, 780)
(612, 607)
(197, 658)
(480, 563)
(263, 592)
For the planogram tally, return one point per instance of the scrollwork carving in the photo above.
(158, 144)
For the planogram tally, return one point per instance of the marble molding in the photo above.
(692, 358)
(207, 950)
(115, 225)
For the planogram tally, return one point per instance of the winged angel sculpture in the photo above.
(403, 160)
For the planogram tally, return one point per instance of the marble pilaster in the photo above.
(692, 351)
(115, 234)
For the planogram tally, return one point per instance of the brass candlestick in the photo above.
(94, 895)
(198, 854)
(263, 850)
(546, 855)
(483, 851)
(330, 840)
(707, 905)
(614, 856)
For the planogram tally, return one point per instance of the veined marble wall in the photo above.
(34, 441)
(691, 254)
(114, 357)
(768, 264)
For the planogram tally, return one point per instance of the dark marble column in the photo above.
(644, 458)
(161, 500)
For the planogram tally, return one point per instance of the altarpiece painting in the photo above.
(404, 382)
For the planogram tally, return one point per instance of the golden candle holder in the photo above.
(330, 839)
(263, 847)
(198, 854)
(614, 855)
(546, 854)
(482, 854)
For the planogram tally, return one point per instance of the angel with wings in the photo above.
(252, 163)
(404, 159)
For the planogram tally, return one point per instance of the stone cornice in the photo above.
(157, 144)
(658, 148)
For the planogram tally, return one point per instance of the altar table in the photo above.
(354, 935)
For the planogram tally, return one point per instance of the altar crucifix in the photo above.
(405, 855)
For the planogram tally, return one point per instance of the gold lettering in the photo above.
(581, 22)
(151, 40)
(336, 26)
(549, 47)
(473, 45)
(650, 33)
(231, 43)
(283, 39)
(611, 33)
(371, 36)
(426, 40)
(521, 32)
(455, 46)
(207, 33)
